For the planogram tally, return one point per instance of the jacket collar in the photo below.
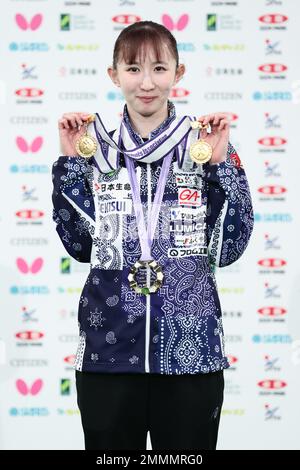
(165, 123)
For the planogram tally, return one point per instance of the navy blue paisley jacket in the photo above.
(206, 220)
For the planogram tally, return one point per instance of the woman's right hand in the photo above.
(71, 128)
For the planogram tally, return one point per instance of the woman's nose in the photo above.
(147, 82)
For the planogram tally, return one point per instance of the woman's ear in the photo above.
(179, 73)
(113, 75)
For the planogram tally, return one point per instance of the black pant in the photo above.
(180, 411)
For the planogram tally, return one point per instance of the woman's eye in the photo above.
(135, 68)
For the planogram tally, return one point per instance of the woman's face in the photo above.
(147, 79)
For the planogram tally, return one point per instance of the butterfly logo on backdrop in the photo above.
(171, 25)
(26, 147)
(24, 389)
(24, 267)
(23, 24)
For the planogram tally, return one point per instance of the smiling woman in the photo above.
(151, 351)
(147, 73)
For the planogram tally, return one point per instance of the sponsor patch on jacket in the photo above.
(190, 240)
(114, 206)
(189, 197)
(182, 252)
(188, 226)
(186, 179)
(187, 213)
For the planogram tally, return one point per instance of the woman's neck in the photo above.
(142, 124)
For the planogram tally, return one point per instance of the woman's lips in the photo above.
(147, 100)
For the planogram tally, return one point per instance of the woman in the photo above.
(151, 350)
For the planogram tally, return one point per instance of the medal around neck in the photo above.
(200, 151)
(146, 236)
(86, 145)
(154, 286)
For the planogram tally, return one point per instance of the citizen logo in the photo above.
(28, 362)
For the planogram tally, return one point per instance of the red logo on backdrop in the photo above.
(232, 359)
(179, 92)
(29, 92)
(70, 359)
(189, 197)
(274, 18)
(272, 262)
(29, 335)
(272, 189)
(29, 214)
(272, 141)
(272, 311)
(232, 116)
(272, 384)
(272, 68)
(126, 19)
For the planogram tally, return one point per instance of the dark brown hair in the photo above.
(133, 39)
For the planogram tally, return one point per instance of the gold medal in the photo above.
(154, 286)
(200, 151)
(86, 145)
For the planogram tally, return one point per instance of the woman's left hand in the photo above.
(219, 136)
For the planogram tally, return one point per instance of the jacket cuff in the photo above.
(225, 174)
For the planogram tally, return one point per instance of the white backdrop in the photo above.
(241, 58)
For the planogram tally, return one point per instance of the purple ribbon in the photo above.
(146, 235)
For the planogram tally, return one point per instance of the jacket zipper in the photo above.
(147, 326)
